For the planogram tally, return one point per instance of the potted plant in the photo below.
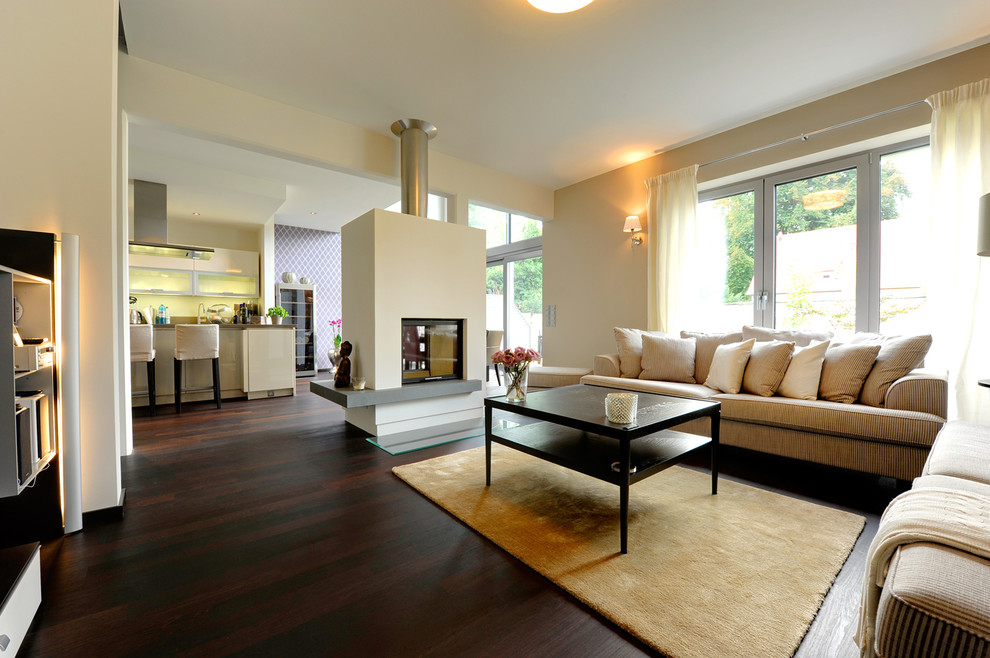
(276, 313)
(334, 352)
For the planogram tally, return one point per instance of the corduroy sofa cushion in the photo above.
(898, 356)
(837, 418)
(668, 358)
(768, 362)
(705, 345)
(934, 603)
(844, 370)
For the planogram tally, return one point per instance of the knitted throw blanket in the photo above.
(937, 515)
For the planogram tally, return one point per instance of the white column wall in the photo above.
(58, 76)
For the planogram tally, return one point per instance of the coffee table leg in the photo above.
(488, 446)
(624, 465)
(716, 421)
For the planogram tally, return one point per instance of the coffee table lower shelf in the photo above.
(600, 457)
(594, 455)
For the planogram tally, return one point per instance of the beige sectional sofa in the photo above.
(926, 590)
(890, 437)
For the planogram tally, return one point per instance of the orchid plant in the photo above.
(335, 328)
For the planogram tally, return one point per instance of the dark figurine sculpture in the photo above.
(343, 377)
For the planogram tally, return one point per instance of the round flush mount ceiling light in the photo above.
(559, 6)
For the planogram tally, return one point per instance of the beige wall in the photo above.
(57, 174)
(157, 95)
(597, 280)
(388, 274)
(225, 236)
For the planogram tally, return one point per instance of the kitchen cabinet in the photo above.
(161, 281)
(230, 273)
(299, 302)
(268, 362)
(230, 261)
(27, 394)
(226, 285)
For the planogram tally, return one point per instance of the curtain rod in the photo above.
(803, 137)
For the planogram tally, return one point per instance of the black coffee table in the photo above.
(574, 433)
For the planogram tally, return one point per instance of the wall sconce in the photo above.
(633, 226)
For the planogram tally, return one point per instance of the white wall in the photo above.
(398, 266)
(184, 103)
(58, 174)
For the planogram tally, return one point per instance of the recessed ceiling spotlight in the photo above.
(312, 212)
(559, 6)
(196, 213)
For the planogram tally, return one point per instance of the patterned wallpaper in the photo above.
(314, 254)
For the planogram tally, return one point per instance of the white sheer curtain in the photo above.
(672, 206)
(959, 286)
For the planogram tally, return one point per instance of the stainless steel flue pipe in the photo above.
(414, 164)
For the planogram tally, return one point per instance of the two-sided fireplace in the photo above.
(432, 350)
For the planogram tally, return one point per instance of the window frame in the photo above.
(868, 227)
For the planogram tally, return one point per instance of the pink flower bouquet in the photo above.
(515, 364)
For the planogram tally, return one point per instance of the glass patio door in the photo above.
(514, 300)
(814, 244)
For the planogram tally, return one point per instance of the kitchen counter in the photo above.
(232, 326)
(256, 360)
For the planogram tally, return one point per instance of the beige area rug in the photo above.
(742, 573)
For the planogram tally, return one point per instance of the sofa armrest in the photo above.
(607, 365)
(920, 390)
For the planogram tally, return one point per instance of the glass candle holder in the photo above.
(621, 407)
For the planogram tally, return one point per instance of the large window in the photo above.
(501, 227)
(833, 246)
(514, 288)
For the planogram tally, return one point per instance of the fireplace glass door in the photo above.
(432, 350)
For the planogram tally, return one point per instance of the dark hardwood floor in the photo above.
(271, 527)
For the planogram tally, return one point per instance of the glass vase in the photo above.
(515, 383)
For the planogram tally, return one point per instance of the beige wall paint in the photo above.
(598, 281)
(157, 95)
(223, 236)
(58, 174)
(388, 275)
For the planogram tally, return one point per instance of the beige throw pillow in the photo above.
(705, 349)
(798, 337)
(898, 356)
(804, 372)
(629, 343)
(668, 359)
(728, 366)
(844, 370)
(767, 364)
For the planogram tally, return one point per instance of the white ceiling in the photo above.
(551, 98)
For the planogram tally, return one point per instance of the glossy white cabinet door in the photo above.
(269, 360)
(22, 602)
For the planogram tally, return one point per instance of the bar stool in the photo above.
(143, 351)
(196, 341)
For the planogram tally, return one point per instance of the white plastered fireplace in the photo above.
(397, 266)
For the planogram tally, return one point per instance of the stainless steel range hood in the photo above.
(148, 208)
